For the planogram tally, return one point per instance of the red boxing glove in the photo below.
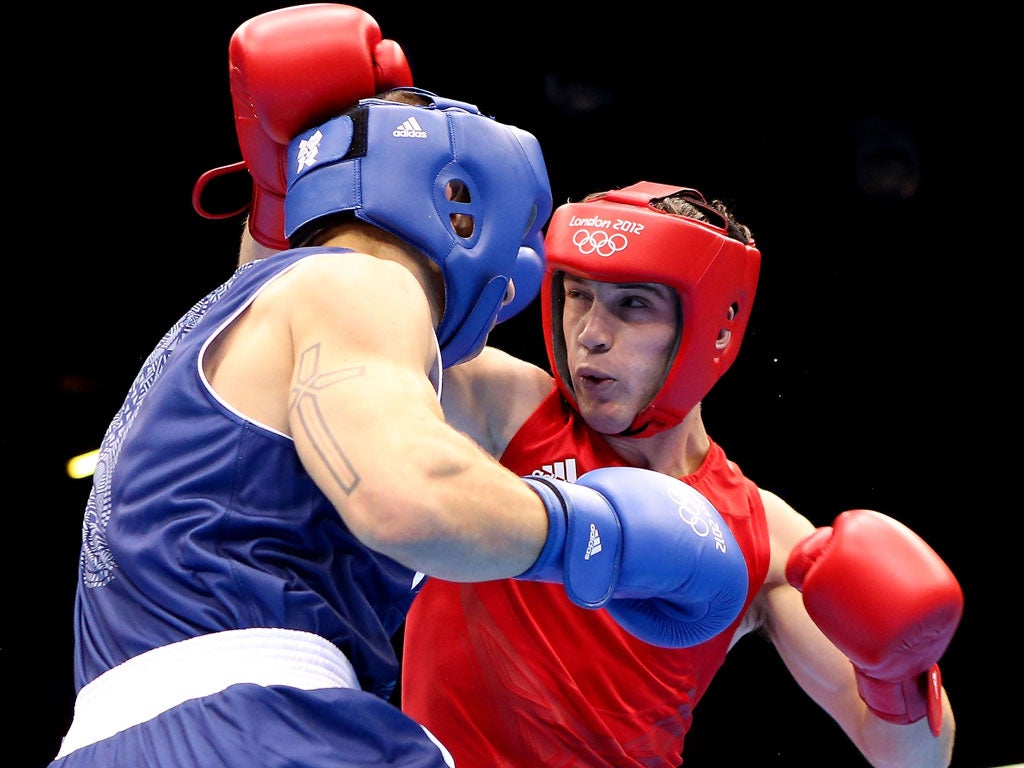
(291, 69)
(886, 600)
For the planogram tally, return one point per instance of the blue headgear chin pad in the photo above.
(390, 164)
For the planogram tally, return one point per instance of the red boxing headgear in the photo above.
(619, 237)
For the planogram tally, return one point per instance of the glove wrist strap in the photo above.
(904, 701)
(548, 566)
(584, 542)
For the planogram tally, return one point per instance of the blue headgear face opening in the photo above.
(390, 164)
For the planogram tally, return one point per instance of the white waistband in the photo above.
(153, 682)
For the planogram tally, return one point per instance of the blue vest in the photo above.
(201, 520)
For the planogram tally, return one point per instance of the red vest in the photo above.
(509, 673)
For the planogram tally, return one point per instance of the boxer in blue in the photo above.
(280, 479)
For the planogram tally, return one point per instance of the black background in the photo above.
(876, 371)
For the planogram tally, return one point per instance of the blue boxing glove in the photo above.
(645, 546)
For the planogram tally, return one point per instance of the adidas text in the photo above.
(410, 129)
(594, 545)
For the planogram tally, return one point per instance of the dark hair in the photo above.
(690, 204)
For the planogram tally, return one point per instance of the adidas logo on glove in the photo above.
(594, 545)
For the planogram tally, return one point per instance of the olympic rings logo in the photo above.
(599, 242)
(695, 518)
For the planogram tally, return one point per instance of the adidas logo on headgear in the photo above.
(409, 129)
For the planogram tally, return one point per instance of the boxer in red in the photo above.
(646, 295)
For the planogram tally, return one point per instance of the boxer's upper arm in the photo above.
(362, 349)
(490, 396)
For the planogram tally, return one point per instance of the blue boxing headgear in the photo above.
(390, 164)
